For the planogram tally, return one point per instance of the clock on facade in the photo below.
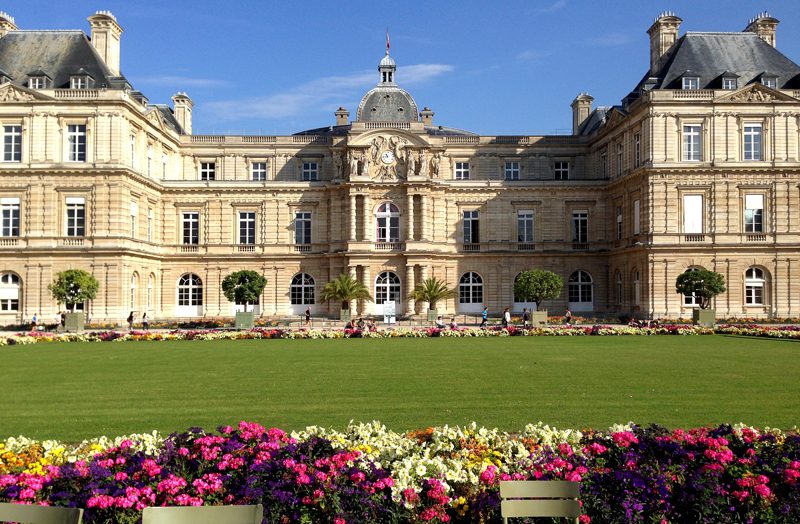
(387, 157)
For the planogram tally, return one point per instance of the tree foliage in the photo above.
(431, 290)
(702, 283)
(537, 285)
(244, 287)
(345, 288)
(73, 286)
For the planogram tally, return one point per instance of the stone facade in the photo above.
(671, 179)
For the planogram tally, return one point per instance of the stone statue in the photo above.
(423, 164)
(435, 162)
(411, 165)
(337, 164)
(365, 165)
(353, 164)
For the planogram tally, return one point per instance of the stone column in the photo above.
(352, 217)
(352, 271)
(423, 217)
(410, 219)
(367, 219)
(367, 280)
(424, 273)
(410, 284)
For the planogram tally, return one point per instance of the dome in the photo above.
(387, 61)
(387, 104)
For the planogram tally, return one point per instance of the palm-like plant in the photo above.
(345, 288)
(431, 290)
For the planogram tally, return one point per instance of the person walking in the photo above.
(484, 317)
(506, 317)
(308, 316)
(568, 317)
(34, 321)
(526, 317)
(130, 321)
(145, 322)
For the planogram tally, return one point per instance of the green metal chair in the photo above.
(203, 515)
(539, 498)
(30, 514)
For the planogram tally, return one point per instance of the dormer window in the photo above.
(770, 81)
(729, 83)
(691, 82)
(79, 82)
(37, 82)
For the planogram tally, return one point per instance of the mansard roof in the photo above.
(57, 53)
(709, 55)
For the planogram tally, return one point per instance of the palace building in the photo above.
(698, 166)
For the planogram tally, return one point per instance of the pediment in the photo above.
(14, 93)
(756, 93)
(155, 118)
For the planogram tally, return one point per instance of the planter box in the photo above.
(432, 314)
(344, 314)
(245, 320)
(538, 318)
(704, 317)
(74, 322)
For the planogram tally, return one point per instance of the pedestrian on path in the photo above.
(484, 317)
(568, 317)
(130, 321)
(526, 317)
(506, 317)
(145, 322)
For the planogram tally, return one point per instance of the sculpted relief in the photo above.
(392, 158)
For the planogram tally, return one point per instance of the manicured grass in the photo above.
(79, 390)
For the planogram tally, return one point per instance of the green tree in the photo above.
(701, 283)
(73, 286)
(537, 285)
(431, 290)
(344, 289)
(244, 287)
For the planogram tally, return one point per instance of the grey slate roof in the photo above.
(387, 103)
(168, 116)
(60, 54)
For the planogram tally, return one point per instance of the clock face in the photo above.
(387, 157)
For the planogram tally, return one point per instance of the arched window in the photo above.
(637, 288)
(301, 290)
(388, 223)
(470, 289)
(618, 286)
(754, 284)
(691, 300)
(387, 287)
(190, 290)
(9, 292)
(134, 284)
(579, 290)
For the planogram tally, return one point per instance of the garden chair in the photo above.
(203, 515)
(539, 498)
(30, 514)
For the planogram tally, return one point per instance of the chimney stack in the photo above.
(342, 116)
(182, 108)
(663, 35)
(764, 26)
(105, 38)
(581, 108)
(6, 23)
(427, 116)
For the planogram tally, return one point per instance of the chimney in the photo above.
(663, 35)
(105, 38)
(764, 26)
(581, 107)
(182, 108)
(6, 23)
(427, 116)
(342, 116)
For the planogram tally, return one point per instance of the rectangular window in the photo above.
(561, 170)
(9, 214)
(691, 143)
(770, 81)
(511, 170)
(754, 213)
(619, 222)
(580, 227)
(164, 161)
(134, 212)
(471, 221)
(76, 217)
(752, 141)
(729, 83)
(525, 226)
(637, 228)
(208, 170)
(79, 82)
(149, 160)
(247, 227)
(37, 82)
(133, 151)
(604, 164)
(637, 150)
(691, 82)
(191, 228)
(149, 225)
(620, 156)
(692, 214)
(259, 171)
(302, 227)
(309, 171)
(76, 142)
(12, 143)
(462, 170)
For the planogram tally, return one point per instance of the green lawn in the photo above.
(78, 390)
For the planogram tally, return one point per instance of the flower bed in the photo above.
(755, 330)
(446, 474)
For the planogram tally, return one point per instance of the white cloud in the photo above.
(180, 82)
(610, 40)
(317, 94)
(532, 55)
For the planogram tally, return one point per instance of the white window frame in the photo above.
(77, 143)
(690, 82)
(462, 171)
(471, 226)
(580, 286)
(150, 224)
(208, 171)
(302, 290)
(620, 158)
(730, 84)
(755, 287)
(387, 223)
(619, 222)
(75, 223)
(9, 292)
(754, 213)
(192, 220)
(525, 223)
(637, 150)
(12, 143)
(247, 227)
(770, 81)
(37, 82)
(752, 142)
(511, 170)
(302, 227)
(470, 289)
(310, 172)
(694, 214)
(259, 170)
(561, 170)
(692, 140)
(580, 226)
(134, 213)
(79, 82)
(9, 217)
(387, 288)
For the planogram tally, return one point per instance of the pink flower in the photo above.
(488, 475)
(584, 519)
(762, 490)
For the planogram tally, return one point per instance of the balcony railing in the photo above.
(470, 248)
(388, 246)
(190, 249)
(71, 241)
(756, 238)
(246, 248)
(302, 248)
(580, 246)
(526, 246)
(9, 241)
(694, 238)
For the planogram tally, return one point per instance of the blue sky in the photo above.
(502, 67)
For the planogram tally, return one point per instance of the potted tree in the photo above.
(431, 290)
(73, 287)
(537, 285)
(244, 287)
(704, 285)
(345, 288)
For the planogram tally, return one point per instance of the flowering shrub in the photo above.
(727, 474)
